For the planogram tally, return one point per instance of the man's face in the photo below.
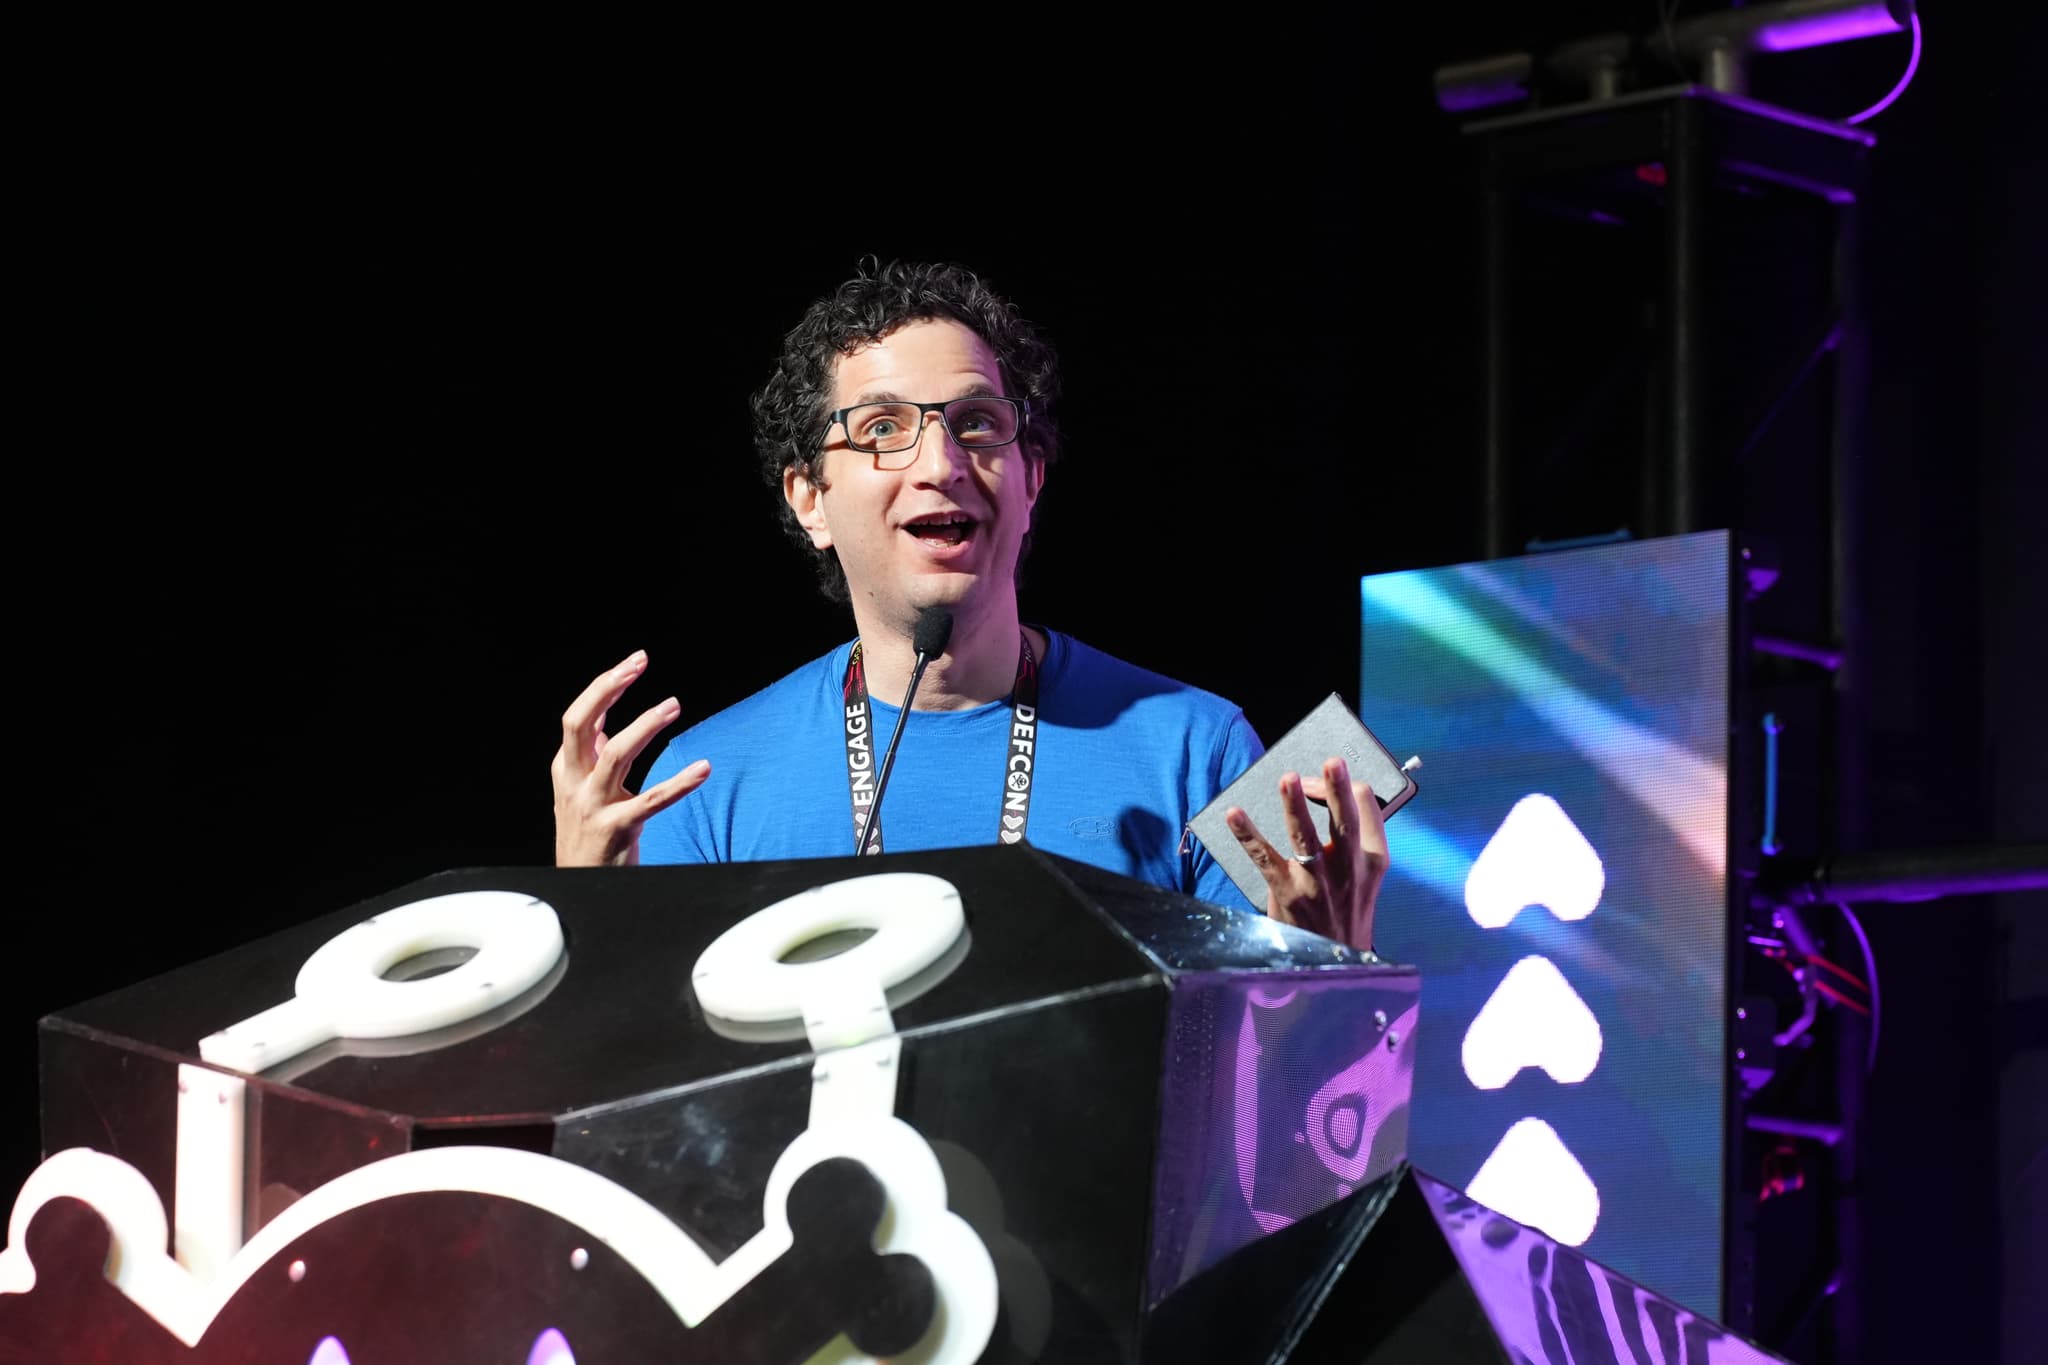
(947, 528)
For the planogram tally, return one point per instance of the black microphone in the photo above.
(934, 629)
(931, 635)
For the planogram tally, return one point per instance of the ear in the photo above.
(1034, 479)
(806, 499)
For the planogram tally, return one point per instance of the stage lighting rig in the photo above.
(1718, 46)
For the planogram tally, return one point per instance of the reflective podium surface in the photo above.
(1105, 1096)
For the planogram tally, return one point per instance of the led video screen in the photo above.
(1561, 879)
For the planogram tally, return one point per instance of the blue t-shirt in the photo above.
(1124, 759)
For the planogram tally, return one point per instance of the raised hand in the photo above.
(1330, 888)
(597, 821)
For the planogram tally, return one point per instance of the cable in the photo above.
(1778, 951)
(1847, 976)
(1840, 999)
(1912, 65)
(1870, 965)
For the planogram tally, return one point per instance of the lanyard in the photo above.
(1020, 757)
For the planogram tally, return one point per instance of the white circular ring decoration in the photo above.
(517, 940)
(915, 917)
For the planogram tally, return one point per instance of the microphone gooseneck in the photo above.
(929, 638)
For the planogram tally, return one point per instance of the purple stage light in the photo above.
(1465, 86)
(1912, 65)
(551, 1348)
(1830, 26)
(1459, 99)
(329, 1352)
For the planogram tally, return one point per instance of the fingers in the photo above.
(1355, 821)
(1311, 880)
(662, 795)
(1272, 864)
(1294, 890)
(1335, 894)
(1344, 817)
(584, 720)
(619, 751)
(1372, 828)
(1301, 825)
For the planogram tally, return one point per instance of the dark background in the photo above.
(379, 397)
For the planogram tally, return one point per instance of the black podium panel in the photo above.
(1043, 1120)
(1116, 1092)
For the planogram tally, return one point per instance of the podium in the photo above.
(979, 1104)
(1110, 1081)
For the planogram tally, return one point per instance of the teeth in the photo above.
(943, 532)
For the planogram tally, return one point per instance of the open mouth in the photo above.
(949, 528)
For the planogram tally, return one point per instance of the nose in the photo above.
(940, 460)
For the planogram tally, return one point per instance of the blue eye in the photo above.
(986, 421)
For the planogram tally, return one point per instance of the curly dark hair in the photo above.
(791, 411)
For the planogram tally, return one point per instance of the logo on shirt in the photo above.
(1091, 827)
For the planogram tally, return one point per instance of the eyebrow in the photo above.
(984, 389)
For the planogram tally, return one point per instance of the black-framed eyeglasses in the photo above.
(981, 423)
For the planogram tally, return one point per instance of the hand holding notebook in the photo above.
(1312, 850)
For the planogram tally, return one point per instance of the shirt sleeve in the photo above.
(1239, 749)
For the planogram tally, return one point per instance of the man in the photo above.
(910, 427)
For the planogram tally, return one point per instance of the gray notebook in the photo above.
(1328, 730)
